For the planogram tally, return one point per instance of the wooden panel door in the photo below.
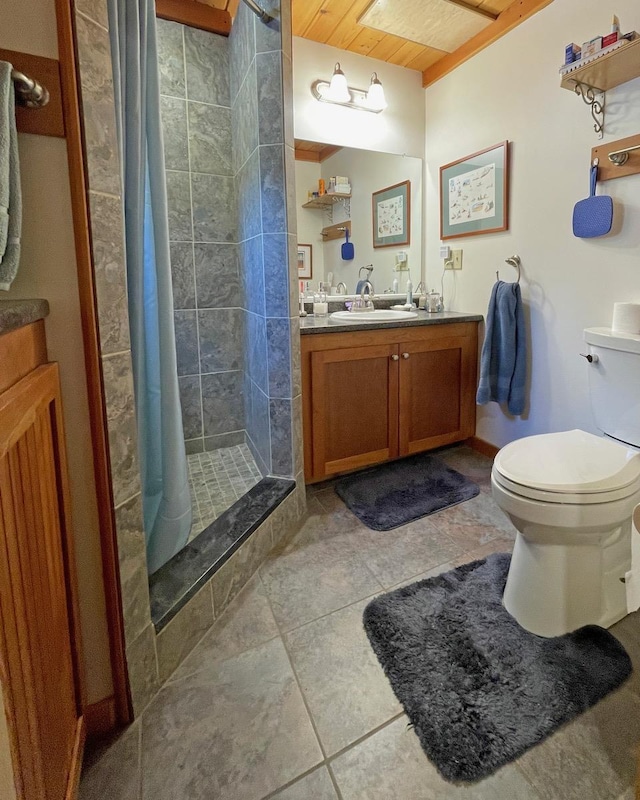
(437, 392)
(354, 397)
(39, 637)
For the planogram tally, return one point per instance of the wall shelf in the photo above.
(326, 200)
(591, 81)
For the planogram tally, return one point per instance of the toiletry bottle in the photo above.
(395, 286)
(409, 292)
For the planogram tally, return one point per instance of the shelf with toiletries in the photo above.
(607, 71)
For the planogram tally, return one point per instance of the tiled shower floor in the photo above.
(217, 480)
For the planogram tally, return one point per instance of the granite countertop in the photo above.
(18, 313)
(311, 324)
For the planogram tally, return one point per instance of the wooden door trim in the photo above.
(76, 761)
(195, 15)
(67, 47)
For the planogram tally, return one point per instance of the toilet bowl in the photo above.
(570, 496)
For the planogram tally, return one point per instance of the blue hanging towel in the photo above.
(503, 363)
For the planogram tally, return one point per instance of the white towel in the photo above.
(10, 191)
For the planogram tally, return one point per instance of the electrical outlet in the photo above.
(457, 259)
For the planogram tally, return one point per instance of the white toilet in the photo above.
(571, 497)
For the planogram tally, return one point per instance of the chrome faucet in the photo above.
(363, 303)
(341, 288)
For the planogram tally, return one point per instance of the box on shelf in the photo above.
(591, 47)
(571, 53)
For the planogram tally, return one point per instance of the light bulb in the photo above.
(338, 90)
(375, 96)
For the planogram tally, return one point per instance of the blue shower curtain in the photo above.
(163, 464)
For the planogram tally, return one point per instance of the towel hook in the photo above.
(513, 261)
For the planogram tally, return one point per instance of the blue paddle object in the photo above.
(347, 248)
(593, 216)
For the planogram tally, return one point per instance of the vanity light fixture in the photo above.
(339, 92)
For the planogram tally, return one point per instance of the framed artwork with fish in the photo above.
(474, 193)
(391, 209)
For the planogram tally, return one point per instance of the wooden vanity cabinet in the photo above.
(40, 657)
(372, 396)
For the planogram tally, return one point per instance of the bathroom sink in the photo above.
(377, 315)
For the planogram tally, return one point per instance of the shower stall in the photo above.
(232, 234)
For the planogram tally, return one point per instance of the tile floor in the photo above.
(284, 699)
(217, 479)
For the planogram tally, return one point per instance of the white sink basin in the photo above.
(379, 315)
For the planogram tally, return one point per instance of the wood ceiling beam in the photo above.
(509, 19)
(195, 15)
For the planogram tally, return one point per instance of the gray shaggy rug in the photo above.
(391, 495)
(478, 689)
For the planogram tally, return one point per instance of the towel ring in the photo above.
(513, 261)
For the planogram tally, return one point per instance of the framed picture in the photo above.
(305, 265)
(474, 193)
(392, 215)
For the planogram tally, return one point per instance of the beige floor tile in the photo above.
(246, 623)
(315, 580)
(474, 523)
(397, 555)
(346, 690)
(595, 756)
(315, 786)
(390, 765)
(238, 729)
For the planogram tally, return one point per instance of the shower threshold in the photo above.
(175, 583)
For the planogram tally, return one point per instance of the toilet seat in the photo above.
(571, 467)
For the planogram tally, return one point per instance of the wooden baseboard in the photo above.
(486, 448)
(101, 718)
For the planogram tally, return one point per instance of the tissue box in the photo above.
(591, 47)
(610, 38)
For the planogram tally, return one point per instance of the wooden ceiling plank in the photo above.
(307, 155)
(425, 59)
(509, 19)
(407, 53)
(303, 15)
(365, 41)
(387, 46)
(232, 7)
(334, 13)
(195, 15)
(328, 151)
(348, 28)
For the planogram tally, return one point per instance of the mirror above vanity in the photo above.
(398, 212)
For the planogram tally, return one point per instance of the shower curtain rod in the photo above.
(259, 12)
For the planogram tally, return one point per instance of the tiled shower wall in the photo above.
(263, 139)
(207, 292)
(151, 657)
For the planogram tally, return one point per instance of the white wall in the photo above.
(310, 222)
(368, 173)
(511, 91)
(48, 269)
(398, 129)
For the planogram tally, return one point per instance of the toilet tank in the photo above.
(614, 383)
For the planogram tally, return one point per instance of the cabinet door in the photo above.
(39, 655)
(437, 392)
(354, 396)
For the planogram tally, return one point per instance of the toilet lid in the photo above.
(571, 462)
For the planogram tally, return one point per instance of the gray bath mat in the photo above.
(393, 494)
(478, 689)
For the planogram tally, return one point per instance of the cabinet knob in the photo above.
(405, 355)
(395, 357)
